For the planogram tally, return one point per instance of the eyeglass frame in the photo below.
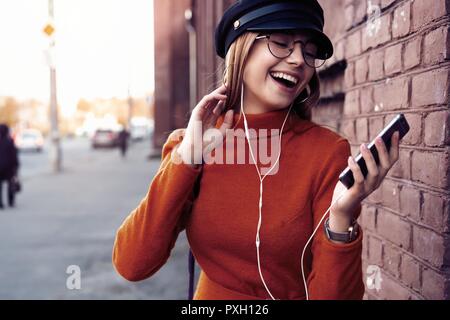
(291, 50)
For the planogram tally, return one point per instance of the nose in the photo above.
(296, 56)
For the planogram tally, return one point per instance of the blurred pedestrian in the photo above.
(123, 142)
(9, 165)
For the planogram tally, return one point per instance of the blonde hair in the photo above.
(235, 61)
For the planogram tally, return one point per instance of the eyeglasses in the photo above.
(281, 46)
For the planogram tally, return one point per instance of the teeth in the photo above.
(285, 76)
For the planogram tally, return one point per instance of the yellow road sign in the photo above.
(49, 29)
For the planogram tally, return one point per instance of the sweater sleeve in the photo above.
(145, 239)
(336, 270)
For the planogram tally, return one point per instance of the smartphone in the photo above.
(399, 124)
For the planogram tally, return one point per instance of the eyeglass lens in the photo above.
(282, 46)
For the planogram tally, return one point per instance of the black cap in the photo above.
(270, 15)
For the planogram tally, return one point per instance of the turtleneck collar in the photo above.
(268, 120)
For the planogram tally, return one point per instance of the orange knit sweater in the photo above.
(221, 227)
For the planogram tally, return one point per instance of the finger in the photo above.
(383, 154)
(217, 110)
(212, 99)
(227, 121)
(372, 167)
(356, 170)
(394, 151)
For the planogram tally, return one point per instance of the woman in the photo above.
(9, 165)
(251, 231)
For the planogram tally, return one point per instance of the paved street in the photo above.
(71, 219)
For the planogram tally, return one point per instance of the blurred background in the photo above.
(91, 90)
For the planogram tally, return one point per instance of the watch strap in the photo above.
(345, 237)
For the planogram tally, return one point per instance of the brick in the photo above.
(355, 148)
(428, 245)
(362, 130)
(365, 244)
(393, 60)
(349, 75)
(348, 130)
(433, 287)
(385, 3)
(375, 251)
(349, 12)
(423, 12)
(351, 104)
(411, 54)
(433, 211)
(410, 272)
(447, 216)
(391, 260)
(391, 289)
(376, 124)
(414, 135)
(437, 128)
(430, 88)
(367, 37)
(369, 217)
(401, 21)
(360, 10)
(353, 44)
(391, 194)
(402, 168)
(434, 173)
(361, 70)
(410, 202)
(376, 71)
(392, 94)
(384, 33)
(435, 46)
(375, 197)
(339, 50)
(393, 228)
(366, 96)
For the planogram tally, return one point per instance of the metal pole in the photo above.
(190, 26)
(55, 151)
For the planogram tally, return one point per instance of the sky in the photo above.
(104, 48)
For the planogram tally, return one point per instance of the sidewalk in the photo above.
(71, 219)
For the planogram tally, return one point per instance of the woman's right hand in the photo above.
(206, 113)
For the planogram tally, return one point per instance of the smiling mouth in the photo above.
(285, 80)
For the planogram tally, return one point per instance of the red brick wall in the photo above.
(403, 66)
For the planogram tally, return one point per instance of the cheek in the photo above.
(308, 76)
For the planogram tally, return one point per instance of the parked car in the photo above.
(141, 128)
(106, 138)
(29, 140)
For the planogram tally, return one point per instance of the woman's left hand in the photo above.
(346, 205)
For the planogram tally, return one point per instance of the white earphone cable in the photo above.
(309, 240)
(258, 240)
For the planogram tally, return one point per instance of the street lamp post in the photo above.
(55, 151)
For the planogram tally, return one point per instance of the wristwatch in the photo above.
(345, 237)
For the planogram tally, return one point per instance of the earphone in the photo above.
(258, 239)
